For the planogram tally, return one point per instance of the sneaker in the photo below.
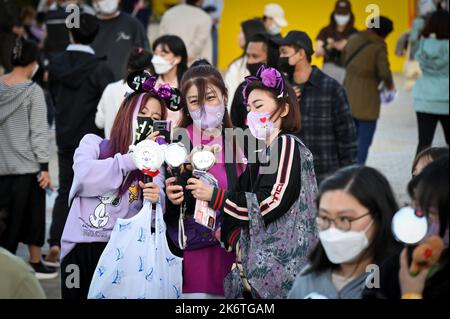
(43, 272)
(52, 264)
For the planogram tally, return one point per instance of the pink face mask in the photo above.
(208, 116)
(260, 124)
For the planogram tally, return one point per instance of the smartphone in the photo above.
(164, 128)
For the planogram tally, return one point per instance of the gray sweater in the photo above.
(24, 145)
(320, 286)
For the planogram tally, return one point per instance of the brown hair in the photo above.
(438, 24)
(202, 76)
(292, 121)
(433, 153)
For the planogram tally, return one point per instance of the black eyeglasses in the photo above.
(342, 223)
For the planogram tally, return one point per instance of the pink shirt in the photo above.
(204, 270)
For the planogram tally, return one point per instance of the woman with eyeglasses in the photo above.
(355, 208)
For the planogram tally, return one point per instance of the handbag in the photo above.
(272, 256)
(137, 262)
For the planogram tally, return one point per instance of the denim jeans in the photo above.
(365, 131)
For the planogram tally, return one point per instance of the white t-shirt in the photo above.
(109, 105)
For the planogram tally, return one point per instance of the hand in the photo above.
(150, 191)
(340, 45)
(409, 284)
(18, 31)
(297, 91)
(153, 136)
(217, 234)
(200, 190)
(44, 180)
(174, 192)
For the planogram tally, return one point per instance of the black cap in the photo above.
(297, 38)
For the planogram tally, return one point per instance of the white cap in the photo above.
(276, 12)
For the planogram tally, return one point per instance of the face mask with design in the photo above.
(208, 116)
(342, 247)
(342, 19)
(260, 124)
(161, 65)
(106, 6)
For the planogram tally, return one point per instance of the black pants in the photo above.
(22, 211)
(77, 269)
(61, 208)
(427, 127)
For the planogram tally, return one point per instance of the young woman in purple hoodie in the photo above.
(106, 186)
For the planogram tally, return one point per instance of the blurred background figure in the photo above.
(274, 19)
(118, 33)
(34, 25)
(214, 8)
(170, 61)
(114, 93)
(261, 50)
(237, 70)
(193, 26)
(366, 59)
(431, 93)
(332, 39)
(10, 30)
(24, 158)
(327, 127)
(140, 9)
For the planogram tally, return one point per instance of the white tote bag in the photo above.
(136, 263)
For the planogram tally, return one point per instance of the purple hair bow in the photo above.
(164, 91)
(270, 77)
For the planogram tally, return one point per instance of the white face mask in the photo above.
(161, 65)
(274, 29)
(106, 6)
(341, 20)
(342, 247)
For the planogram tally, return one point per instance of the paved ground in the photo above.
(392, 153)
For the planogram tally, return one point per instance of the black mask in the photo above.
(144, 128)
(253, 68)
(286, 68)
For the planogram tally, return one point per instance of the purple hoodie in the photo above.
(95, 203)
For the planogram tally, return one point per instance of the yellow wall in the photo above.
(309, 16)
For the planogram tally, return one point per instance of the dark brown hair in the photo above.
(292, 121)
(433, 153)
(202, 76)
(437, 24)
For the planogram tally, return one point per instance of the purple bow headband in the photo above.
(270, 77)
(164, 91)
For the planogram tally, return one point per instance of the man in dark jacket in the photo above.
(79, 78)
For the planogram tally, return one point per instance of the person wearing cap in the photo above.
(367, 67)
(332, 39)
(328, 129)
(274, 19)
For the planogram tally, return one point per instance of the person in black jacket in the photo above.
(79, 78)
(430, 193)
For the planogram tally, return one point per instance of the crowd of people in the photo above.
(304, 218)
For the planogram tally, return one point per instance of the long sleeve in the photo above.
(39, 126)
(141, 39)
(94, 177)
(101, 108)
(200, 38)
(345, 130)
(383, 68)
(277, 190)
